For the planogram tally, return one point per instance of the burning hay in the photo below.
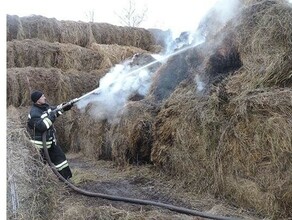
(168, 77)
(224, 119)
(234, 140)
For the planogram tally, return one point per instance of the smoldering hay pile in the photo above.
(217, 117)
(234, 138)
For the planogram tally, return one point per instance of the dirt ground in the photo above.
(138, 182)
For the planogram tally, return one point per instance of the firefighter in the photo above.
(40, 119)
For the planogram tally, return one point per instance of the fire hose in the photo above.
(125, 199)
(118, 198)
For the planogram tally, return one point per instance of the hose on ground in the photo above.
(126, 199)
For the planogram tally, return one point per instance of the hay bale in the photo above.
(50, 81)
(49, 29)
(14, 28)
(31, 186)
(114, 54)
(90, 136)
(256, 147)
(264, 33)
(38, 53)
(79, 33)
(131, 138)
(186, 134)
(58, 86)
(127, 36)
(37, 26)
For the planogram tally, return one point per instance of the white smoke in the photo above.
(124, 81)
(200, 83)
(114, 90)
(226, 9)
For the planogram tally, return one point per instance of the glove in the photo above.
(68, 107)
(52, 115)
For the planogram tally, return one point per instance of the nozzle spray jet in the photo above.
(73, 101)
(99, 89)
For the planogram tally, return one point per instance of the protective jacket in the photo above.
(41, 119)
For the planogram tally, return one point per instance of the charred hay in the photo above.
(168, 76)
(234, 139)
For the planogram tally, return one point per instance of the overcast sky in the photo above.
(182, 15)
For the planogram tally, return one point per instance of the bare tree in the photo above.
(132, 17)
(90, 15)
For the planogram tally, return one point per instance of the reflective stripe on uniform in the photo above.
(39, 144)
(47, 122)
(44, 115)
(62, 165)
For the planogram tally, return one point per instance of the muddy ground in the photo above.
(138, 182)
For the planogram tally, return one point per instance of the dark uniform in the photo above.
(41, 119)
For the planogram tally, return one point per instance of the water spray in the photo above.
(73, 101)
(98, 90)
(166, 57)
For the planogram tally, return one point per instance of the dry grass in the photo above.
(114, 54)
(235, 140)
(186, 134)
(90, 136)
(39, 53)
(79, 33)
(31, 188)
(232, 140)
(264, 38)
(255, 144)
(131, 138)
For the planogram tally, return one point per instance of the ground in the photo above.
(136, 182)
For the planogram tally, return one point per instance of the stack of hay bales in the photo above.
(217, 117)
(65, 60)
(78, 33)
(31, 186)
(233, 139)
